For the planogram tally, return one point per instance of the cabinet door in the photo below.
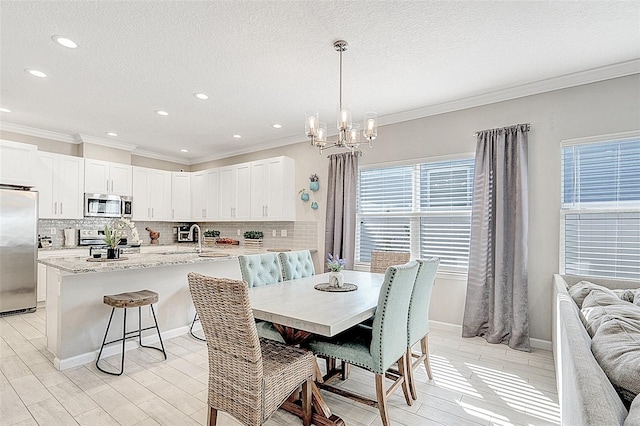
(120, 175)
(41, 293)
(243, 192)
(70, 175)
(96, 177)
(227, 192)
(211, 191)
(259, 189)
(18, 162)
(141, 205)
(159, 194)
(47, 185)
(198, 195)
(180, 196)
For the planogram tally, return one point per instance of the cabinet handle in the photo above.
(173, 213)
(61, 207)
(204, 212)
(266, 211)
(107, 185)
(111, 185)
(148, 211)
(55, 208)
(153, 212)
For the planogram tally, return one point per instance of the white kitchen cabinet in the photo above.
(41, 292)
(205, 187)
(235, 192)
(272, 189)
(18, 163)
(59, 182)
(151, 194)
(180, 196)
(104, 177)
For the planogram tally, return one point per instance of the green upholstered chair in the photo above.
(378, 347)
(418, 326)
(258, 270)
(296, 264)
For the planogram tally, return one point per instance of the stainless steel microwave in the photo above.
(105, 205)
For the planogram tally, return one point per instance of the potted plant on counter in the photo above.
(210, 237)
(253, 238)
(112, 238)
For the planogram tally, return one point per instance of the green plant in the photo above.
(112, 237)
(211, 233)
(253, 235)
(314, 178)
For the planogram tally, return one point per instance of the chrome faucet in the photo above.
(196, 226)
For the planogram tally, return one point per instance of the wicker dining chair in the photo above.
(418, 326)
(296, 264)
(381, 260)
(379, 347)
(249, 377)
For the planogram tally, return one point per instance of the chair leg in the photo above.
(195, 318)
(382, 399)
(345, 370)
(404, 377)
(306, 403)
(424, 345)
(212, 416)
(412, 383)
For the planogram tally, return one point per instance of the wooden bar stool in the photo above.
(130, 300)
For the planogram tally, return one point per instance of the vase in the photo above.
(314, 185)
(336, 279)
(113, 253)
(314, 205)
(304, 196)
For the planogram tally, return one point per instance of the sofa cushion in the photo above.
(616, 347)
(633, 419)
(598, 297)
(582, 289)
(594, 317)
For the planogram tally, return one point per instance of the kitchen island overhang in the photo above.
(76, 317)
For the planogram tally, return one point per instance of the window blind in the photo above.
(386, 190)
(446, 185)
(446, 237)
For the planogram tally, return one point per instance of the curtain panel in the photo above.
(497, 305)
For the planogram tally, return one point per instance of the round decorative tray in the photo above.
(104, 259)
(327, 287)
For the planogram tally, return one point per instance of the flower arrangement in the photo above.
(314, 178)
(335, 264)
(113, 235)
(135, 237)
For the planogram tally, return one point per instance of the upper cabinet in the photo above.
(205, 195)
(59, 182)
(103, 177)
(272, 189)
(235, 192)
(180, 196)
(18, 162)
(151, 194)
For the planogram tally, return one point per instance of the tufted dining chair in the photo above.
(378, 347)
(259, 270)
(296, 264)
(418, 326)
(249, 377)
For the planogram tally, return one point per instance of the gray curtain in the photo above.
(340, 229)
(497, 306)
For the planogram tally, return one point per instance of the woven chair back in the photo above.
(381, 260)
(235, 357)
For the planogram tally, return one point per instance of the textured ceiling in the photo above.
(267, 62)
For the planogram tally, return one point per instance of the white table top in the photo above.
(297, 304)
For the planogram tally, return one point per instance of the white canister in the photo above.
(70, 237)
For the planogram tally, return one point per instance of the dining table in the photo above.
(302, 307)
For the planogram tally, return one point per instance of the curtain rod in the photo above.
(504, 128)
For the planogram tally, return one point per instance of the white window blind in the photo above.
(423, 208)
(601, 208)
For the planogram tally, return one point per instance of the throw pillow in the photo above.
(599, 297)
(595, 316)
(582, 289)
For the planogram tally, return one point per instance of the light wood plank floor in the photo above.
(474, 384)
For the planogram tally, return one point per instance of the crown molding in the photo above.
(157, 156)
(32, 131)
(105, 142)
(622, 69)
(247, 150)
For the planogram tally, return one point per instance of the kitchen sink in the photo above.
(213, 254)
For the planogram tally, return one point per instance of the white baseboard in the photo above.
(456, 328)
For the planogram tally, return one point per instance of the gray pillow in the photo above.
(636, 299)
(582, 289)
(593, 317)
(598, 297)
(633, 419)
(616, 347)
(626, 295)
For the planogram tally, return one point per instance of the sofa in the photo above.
(586, 394)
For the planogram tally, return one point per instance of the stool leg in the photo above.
(161, 349)
(195, 318)
(104, 340)
(124, 339)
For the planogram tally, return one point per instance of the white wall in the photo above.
(600, 108)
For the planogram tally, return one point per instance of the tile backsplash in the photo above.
(292, 235)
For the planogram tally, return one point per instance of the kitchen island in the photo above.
(76, 317)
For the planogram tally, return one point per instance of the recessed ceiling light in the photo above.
(160, 112)
(201, 96)
(237, 136)
(63, 41)
(184, 150)
(276, 126)
(36, 73)
(111, 134)
(5, 110)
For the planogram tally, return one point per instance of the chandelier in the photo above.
(348, 133)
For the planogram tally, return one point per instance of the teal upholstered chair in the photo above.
(418, 326)
(296, 264)
(377, 348)
(258, 270)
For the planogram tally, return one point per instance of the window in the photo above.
(423, 208)
(601, 208)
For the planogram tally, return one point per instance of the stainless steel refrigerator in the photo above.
(18, 249)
